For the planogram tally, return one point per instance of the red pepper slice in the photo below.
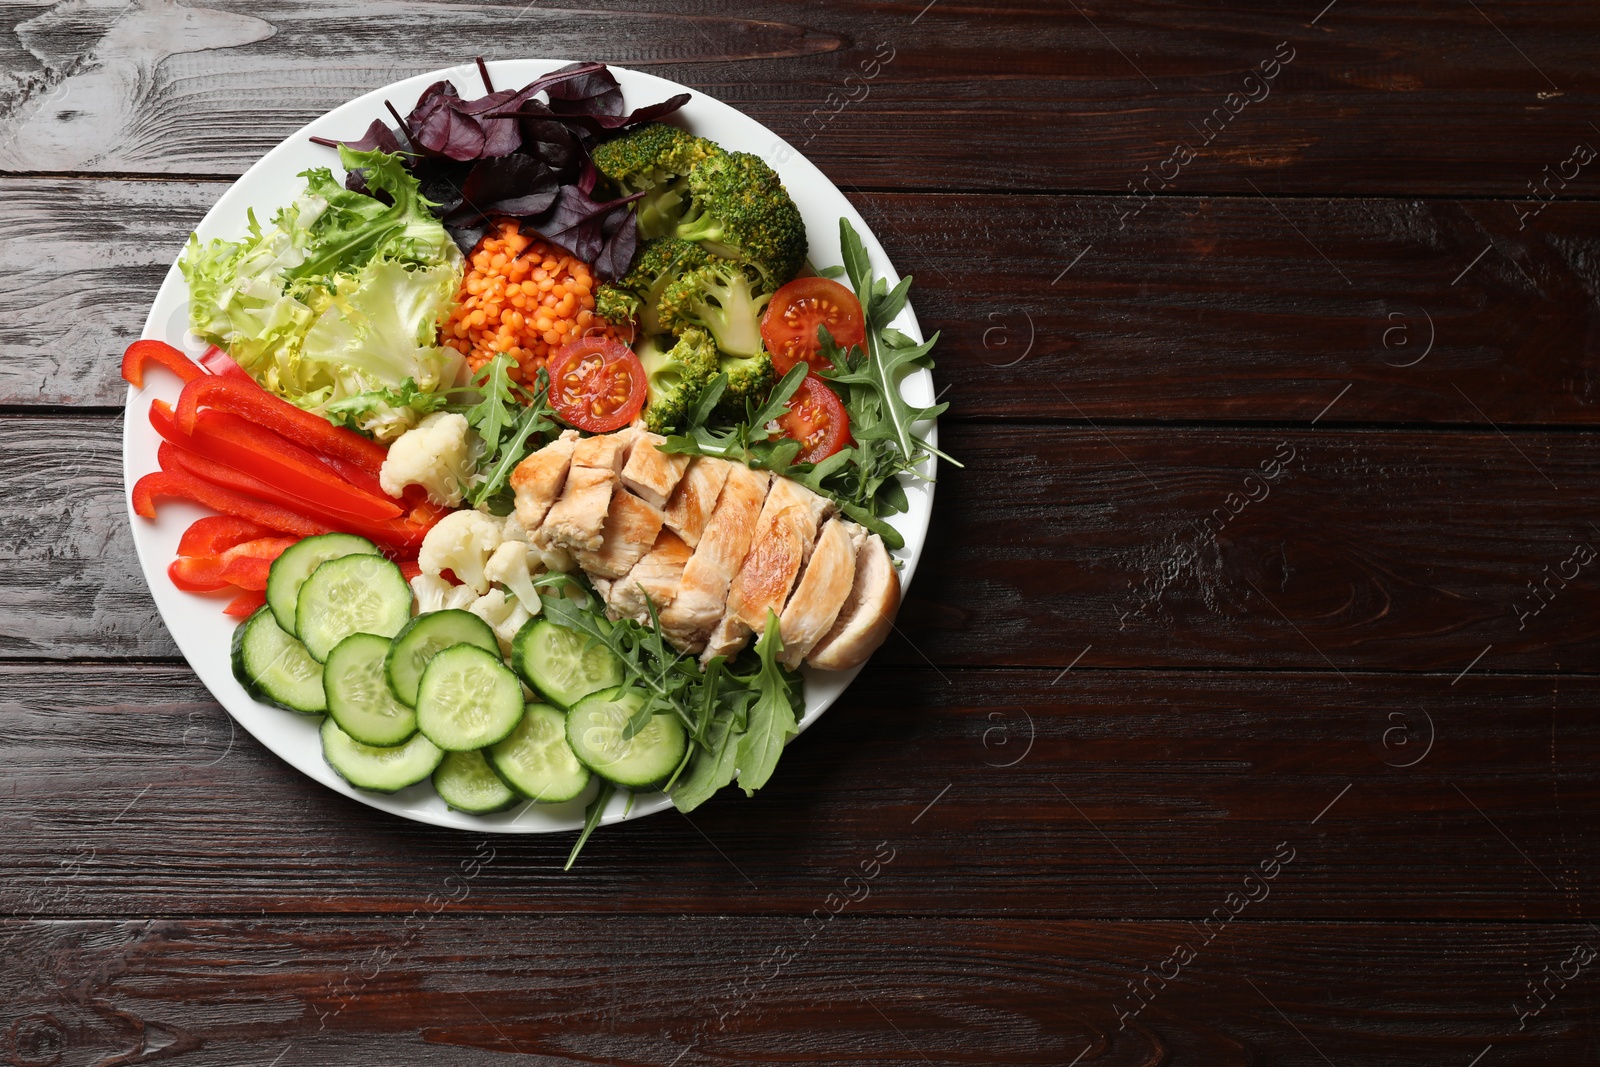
(187, 574)
(398, 534)
(215, 534)
(218, 362)
(266, 457)
(248, 399)
(244, 565)
(139, 355)
(245, 604)
(182, 485)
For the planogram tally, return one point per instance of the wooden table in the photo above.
(1242, 711)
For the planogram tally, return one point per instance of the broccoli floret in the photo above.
(740, 210)
(676, 377)
(658, 264)
(654, 159)
(615, 305)
(718, 297)
(750, 378)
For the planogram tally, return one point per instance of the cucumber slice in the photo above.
(594, 730)
(381, 769)
(425, 637)
(356, 594)
(468, 699)
(359, 698)
(290, 570)
(563, 665)
(536, 760)
(466, 782)
(274, 667)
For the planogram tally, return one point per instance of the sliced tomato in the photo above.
(789, 328)
(817, 419)
(596, 384)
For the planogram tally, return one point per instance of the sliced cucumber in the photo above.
(466, 782)
(290, 570)
(536, 760)
(274, 667)
(359, 698)
(563, 665)
(425, 637)
(468, 699)
(357, 594)
(381, 769)
(595, 729)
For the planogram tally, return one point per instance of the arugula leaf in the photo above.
(772, 717)
(505, 418)
(591, 819)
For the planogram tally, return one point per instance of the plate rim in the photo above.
(419, 803)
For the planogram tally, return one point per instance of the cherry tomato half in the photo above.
(817, 419)
(789, 328)
(596, 384)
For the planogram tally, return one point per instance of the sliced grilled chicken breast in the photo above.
(605, 452)
(657, 576)
(784, 535)
(821, 591)
(630, 528)
(576, 520)
(868, 613)
(703, 593)
(537, 480)
(696, 497)
(651, 473)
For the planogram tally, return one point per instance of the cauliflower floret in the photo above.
(512, 565)
(436, 594)
(504, 615)
(435, 454)
(511, 529)
(461, 543)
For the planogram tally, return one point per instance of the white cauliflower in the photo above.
(461, 543)
(551, 559)
(504, 615)
(435, 454)
(436, 594)
(512, 565)
(513, 530)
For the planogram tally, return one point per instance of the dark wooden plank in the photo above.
(703, 990)
(1199, 310)
(999, 793)
(1373, 98)
(1368, 550)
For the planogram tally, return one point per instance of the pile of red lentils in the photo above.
(521, 296)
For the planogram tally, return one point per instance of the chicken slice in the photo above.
(821, 591)
(629, 530)
(537, 480)
(651, 473)
(577, 519)
(696, 496)
(868, 613)
(657, 576)
(605, 452)
(703, 593)
(782, 543)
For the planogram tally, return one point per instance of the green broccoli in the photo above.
(654, 159)
(750, 378)
(658, 264)
(717, 297)
(740, 210)
(676, 377)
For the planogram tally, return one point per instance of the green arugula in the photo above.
(772, 718)
(506, 418)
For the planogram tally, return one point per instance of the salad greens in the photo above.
(335, 306)
(505, 419)
(862, 477)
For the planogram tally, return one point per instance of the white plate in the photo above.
(197, 623)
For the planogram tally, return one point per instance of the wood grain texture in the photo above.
(1159, 547)
(1416, 97)
(998, 793)
(703, 990)
(1214, 309)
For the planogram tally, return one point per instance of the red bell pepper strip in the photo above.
(266, 457)
(182, 485)
(215, 534)
(188, 577)
(261, 407)
(218, 362)
(139, 355)
(245, 604)
(356, 476)
(410, 568)
(245, 565)
(397, 534)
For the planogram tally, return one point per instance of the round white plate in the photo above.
(197, 623)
